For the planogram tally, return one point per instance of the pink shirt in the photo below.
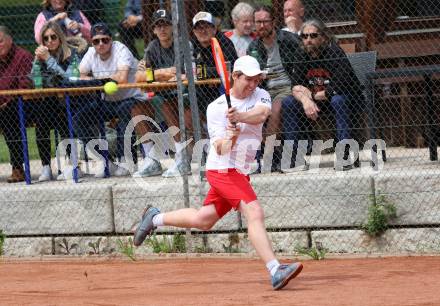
(41, 20)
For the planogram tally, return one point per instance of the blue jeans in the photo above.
(296, 124)
(96, 112)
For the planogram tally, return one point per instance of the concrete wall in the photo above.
(301, 210)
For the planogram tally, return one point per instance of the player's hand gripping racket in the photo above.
(222, 71)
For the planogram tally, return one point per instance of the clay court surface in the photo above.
(399, 281)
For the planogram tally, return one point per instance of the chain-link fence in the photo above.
(348, 161)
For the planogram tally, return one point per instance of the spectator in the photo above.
(160, 54)
(274, 50)
(293, 15)
(15, 66)
(204, 29)
(72, 21)
(56, 58)
(323, 81)
(109, 59)
(130, 27)
(243, 18)
(93, 9)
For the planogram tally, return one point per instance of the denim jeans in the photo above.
(93, 115)
(296, 124)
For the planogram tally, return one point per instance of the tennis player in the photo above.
(233, 148)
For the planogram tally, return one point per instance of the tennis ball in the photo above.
(110, 88)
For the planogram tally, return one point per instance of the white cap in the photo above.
(248, 65)
(203, 16)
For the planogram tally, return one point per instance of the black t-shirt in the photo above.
(204, 56)
(161, 57)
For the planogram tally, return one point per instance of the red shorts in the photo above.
(228, 189)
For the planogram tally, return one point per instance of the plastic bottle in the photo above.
(193, 68)
(67, 20)
(75, 69)
(254, 53)
(37, 78)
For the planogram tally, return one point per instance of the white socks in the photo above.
(158, 220)
(272, 266)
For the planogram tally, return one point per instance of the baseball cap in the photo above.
(161, 15)
(248, 65)
(101, 28)
(203, 16)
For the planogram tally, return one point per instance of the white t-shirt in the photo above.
(249, 139)
(120, 57)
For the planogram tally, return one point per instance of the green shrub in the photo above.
(2, 240)
(68, 248)
(316, 252)
(166, 245)
(127, 248)
(380, 213)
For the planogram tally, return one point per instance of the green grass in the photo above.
(32, 146)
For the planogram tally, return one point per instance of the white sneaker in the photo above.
(303, 167)
(67, 174)
(121, 170)
(178, 169)
(46, 174)
(100, 169)
(150, 167)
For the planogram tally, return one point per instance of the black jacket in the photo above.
(204, 56)
(331, 71)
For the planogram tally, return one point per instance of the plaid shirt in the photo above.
(14, 71)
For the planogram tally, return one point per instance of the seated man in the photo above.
(16, 64)
(323, 81)
(242, 35)
(293, 15)
(204, 29)
(108, 59)
(160, 55)
(274, 50)
(131, 27)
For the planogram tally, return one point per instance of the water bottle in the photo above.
(74, 76)
(254, 53)
(37, 78)
(67, 20)
(193, 68)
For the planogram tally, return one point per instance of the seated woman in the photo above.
(56, 59)
(72, 21)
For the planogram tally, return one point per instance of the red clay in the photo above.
(399, 281)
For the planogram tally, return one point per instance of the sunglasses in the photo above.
(104, 41)
(311, 35)
(51, 37)
(263, 21)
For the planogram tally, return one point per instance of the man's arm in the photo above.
(256, 115)
(304, 96)
(121, 75)
(132, 13)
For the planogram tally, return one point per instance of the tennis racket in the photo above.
(220, 65)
